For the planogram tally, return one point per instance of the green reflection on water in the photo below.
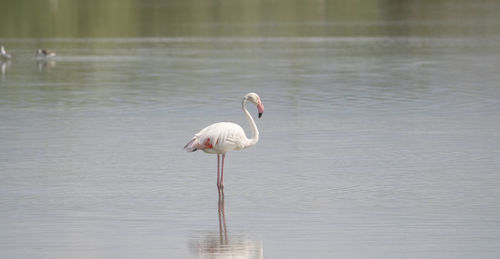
(151, 18)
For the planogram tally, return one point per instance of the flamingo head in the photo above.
(255, 99)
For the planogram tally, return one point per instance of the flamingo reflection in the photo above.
(222, 246)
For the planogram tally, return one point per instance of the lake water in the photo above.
(370, 146)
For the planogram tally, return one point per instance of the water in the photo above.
(380, 146)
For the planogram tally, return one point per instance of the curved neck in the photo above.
(255, 132)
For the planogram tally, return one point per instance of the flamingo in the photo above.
(221, 137)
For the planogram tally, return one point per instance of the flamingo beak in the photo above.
(260, 108)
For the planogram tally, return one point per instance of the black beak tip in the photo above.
(260, 114)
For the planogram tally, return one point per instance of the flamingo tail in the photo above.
(192, 145)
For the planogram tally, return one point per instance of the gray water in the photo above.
(370, 147)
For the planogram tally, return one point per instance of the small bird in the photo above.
(4, 54)
(44, 53)
(221, 137)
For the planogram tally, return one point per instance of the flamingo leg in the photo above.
(218, 171)
(221, 186)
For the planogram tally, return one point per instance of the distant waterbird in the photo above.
(222, 137)
(4, 54)
(44, 53)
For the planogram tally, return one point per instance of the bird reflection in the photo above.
(222, 218)
(45, 65)
(4, 65)
(221, 246)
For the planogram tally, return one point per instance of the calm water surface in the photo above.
(370, 147)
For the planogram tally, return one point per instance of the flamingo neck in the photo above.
(255, 132)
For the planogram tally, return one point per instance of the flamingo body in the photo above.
(222, 137)
(219, 138)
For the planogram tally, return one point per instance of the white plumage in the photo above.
(4, 54)
(219, 138)
(222, 137)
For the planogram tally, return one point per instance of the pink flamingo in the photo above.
(221, 137)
